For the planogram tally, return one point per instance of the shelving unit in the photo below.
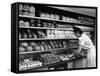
(32, 42)
(48, 28)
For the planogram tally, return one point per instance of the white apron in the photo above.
(87, 44)
(91, 57)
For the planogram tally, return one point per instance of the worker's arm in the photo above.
(78, 50)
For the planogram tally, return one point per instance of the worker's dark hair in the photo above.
(77, 30)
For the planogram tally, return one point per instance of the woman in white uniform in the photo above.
(86, 44)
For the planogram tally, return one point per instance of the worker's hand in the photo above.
(76, 52)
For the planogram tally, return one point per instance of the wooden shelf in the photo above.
(45, 66)
(53, 20)
(42, 51)
(23, 39)
(47, 28)
(33, 52)
(49, 50)
(54, 64)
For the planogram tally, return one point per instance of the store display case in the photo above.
(43, 38)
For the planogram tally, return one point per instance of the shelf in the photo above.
(55, 64)
(49, 50)
(53, 20)
(33, 52)
(22, 39)
(46, 66)
(47, 28)
(41, 51)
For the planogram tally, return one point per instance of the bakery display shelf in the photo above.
(61, 21)
(48, 65)
(44, 66)
(26, 39)
(33, 52)
(47, 28)
(49, 50)
(53, 65)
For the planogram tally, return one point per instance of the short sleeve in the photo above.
(85, 42)
(81, 41)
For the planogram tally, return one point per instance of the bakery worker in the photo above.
(85, 43)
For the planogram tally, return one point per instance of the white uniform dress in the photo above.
(87, 44)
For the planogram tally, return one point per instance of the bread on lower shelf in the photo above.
(29, 65)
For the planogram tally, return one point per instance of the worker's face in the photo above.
(77, 34)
